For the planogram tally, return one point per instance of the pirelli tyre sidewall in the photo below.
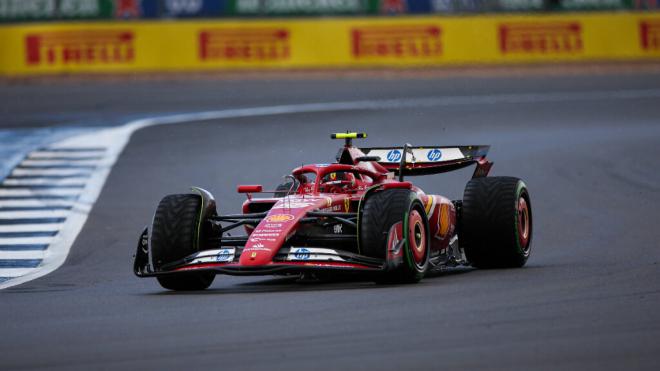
(178, 230)
(497, 224)
(382, 212)
(417, 242)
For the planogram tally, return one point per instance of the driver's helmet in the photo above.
(338, 181)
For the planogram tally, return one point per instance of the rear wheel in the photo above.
(496, 228)
(394, 215)
(176, 233)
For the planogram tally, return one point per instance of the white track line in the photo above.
(47, 227)
(115, 139)
(28, 163)
(63, 172)
(35, 203)
(14, 272)
(54, 154)
(26, 240)
(442, 101)
(30, 254)
(44, 181)
(33, 214)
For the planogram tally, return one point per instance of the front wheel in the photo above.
(177, 232)
(396, 218)
(496, 228)
(186, 281)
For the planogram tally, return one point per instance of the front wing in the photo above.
(289, 260)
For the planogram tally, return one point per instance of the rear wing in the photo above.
(430, 159)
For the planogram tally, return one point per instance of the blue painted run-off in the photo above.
(24, 247)
(19, 263)
(15, 147)
(15, 144)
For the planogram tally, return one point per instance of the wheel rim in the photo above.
(417, 237)
(523, 223)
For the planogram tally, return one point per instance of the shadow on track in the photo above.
(304, 284)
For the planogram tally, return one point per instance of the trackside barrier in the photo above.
(62, 10)
(30, 49)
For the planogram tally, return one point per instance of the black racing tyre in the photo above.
(381, 212)
(496, 223)
(176, 233)
(187, 281)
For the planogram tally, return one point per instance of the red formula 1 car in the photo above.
(349, 216)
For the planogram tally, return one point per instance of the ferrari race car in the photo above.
(357, 215)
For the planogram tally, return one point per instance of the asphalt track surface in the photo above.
(588, 299)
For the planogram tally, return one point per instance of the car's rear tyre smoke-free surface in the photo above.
(496, 222)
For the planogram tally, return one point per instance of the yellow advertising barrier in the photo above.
(349, 42)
